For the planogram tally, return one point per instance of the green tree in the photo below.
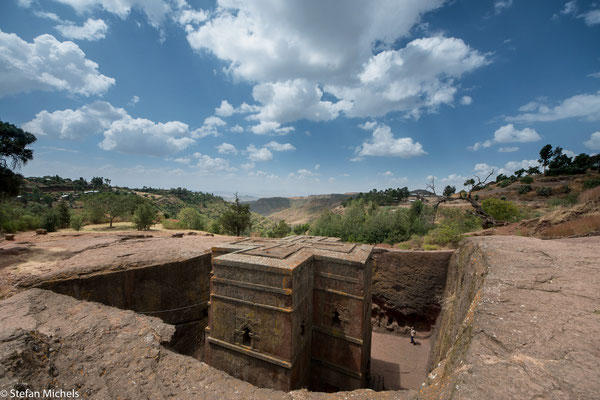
(13, 154)
(144, 217)
(190, 218)
(97, 182)
(545, 155)
(449, 191)
(236, 220)
(51, 220)
(282, 229)
(110, 205)
(502, 210)
(63, 214)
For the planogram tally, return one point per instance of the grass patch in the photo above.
(577, 227)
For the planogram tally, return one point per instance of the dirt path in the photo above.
(402, 365)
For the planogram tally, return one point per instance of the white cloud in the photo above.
(512, 166)
(275, 146)
(209, 165)
(210, 127)
(383, 143)
(255, 154)
(183, 160)
(271, 128)
(593, 142)
(387, 173)
(134, 100)
(90, 119)
(25, 3)
(155, 10)
(579, 106)
(237, 129)
(287, 40)
(288, 101)
(313, 60)
(570, 8)
(92, 29)
(302, 173)
(248, 166)
(227, 148)
(190, 16)
(317, 167)
(142, 136)
(413, 79)
(225, 109)
(508, 134)
(591, 17)
(466, 100)
(594, 75)
(501, 5)
(508, 149)
(47, 64)
(47, 15)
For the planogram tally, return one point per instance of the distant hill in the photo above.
(297, 210)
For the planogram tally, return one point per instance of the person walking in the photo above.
(412, 335)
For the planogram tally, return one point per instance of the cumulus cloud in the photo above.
(90, 119)
(47, 64)
(384, 144)
(302, 173)
(209, 165)
(236, 129)
(508, 134)
(329, 69)
(271, 42)
(134, 100)
(508, 149)
(593, 142)
(227, 148)
(142, 136)
(256, 154)
(586, 106)
(466, 100)
(501, 5)
(225, 109)
(275, 146)
(591, 17)
(122, 132)
(418, 77)
(210, 127)
(92, 29)
(288, 101)
(155, 10)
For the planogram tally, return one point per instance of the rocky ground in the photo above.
(31, 259)
(520, 320)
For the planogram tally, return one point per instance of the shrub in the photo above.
(282, 229)
(63, 214)
(144, 217)
(190, 218)
(76, 222)
(527, 180)
(591, 183)
(524, 189)
(544, 191)
(50, 221)
(169, 223)
(215, 227)
(300, 229)
(502, 210)
(504, 183)
(567, 201)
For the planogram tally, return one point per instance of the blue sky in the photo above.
(266, 97)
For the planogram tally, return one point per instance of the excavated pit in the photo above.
(407, 289)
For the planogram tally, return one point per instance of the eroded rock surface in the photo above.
(521, 320)
(32, 259)
(49, 340)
